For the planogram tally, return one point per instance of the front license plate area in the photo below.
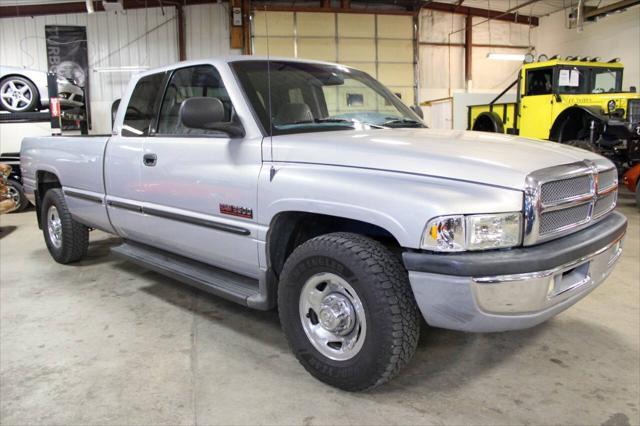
(570, 279)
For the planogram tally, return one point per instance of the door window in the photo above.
(539, 82)
(185, 83)
(141, 108)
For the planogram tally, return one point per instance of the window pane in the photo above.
(140, 110)
(200, 81)
(308, 97)
(606, 80)
(540, 82)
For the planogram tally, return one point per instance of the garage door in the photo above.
(381, 45)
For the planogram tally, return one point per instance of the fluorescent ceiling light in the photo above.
(506, 56)
(121, 69)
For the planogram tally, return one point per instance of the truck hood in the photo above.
(487, 158)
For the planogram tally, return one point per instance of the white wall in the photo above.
(617, 35)
(136, 37)
(441, 68)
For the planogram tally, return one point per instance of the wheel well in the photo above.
(488, 122)
(44, 182)
(288, 230)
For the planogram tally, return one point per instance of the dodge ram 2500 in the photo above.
(311, 187)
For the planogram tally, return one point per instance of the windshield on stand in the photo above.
(309, 97)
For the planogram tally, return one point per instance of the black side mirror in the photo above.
(633, 89)
(208, 114)
(417, 110)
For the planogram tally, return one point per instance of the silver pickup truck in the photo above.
(311, 187)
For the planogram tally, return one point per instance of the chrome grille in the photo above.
(563, 199)
(556, 220)
(607, 179)
(604, 204)
(559, 190)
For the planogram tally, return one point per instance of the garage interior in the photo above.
(105, 342)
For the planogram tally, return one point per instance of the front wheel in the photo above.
(66, 239)
(18, 94)
(347, 310)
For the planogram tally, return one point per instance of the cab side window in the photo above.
(539, 82)
(185, 83)
(140, 109)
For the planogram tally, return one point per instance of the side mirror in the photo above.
(417, 110)
(633, 89)
(208, 114)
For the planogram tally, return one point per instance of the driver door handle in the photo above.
(149, 160)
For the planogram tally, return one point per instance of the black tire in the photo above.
(17, 193)
(381, 284)
(75, 236)
(582, 144)
(20, 106)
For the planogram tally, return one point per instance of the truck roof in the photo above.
(576, 63)
(219, 60)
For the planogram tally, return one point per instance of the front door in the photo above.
(537, 104)
(200, 186)
(123, 164)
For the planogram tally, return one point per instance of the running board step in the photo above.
(222, 283)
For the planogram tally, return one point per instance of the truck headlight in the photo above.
(473, 232)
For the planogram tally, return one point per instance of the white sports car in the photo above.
(23, 90)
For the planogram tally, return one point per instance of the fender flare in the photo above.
(558, 127)
(492, 119)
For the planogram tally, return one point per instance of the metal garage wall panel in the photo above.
(278, 46)
(207, 28)
(395, 51)
(356, 25)
(323, 49)
(280, 23)
(316, 24)
(391, 26)
(356, 49)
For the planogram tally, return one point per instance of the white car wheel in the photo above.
(17, 94)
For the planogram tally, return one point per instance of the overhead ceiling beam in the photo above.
(401, 8)
(483, 13)
(614, 7)
(81, 7)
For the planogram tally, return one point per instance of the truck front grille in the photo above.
(558, 190)
(563, 199)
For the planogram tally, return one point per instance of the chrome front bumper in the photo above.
(485, 303)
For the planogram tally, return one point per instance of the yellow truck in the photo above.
(572, 100)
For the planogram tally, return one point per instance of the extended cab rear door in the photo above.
(199, 187)
(125, 156)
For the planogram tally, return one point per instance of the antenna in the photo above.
(266, 24)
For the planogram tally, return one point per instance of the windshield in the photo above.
(583, 80)
(308, 97)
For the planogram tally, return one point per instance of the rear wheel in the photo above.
(66, 239)
(347, 310)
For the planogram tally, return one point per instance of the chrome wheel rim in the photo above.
(54, 225)
(332, 316)
(14, 195)
(16, 95)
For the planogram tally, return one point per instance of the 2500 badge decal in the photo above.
(230, 210)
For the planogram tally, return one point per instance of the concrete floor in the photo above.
(104, 342)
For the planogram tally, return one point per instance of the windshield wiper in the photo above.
(320, 120)
(391, 123)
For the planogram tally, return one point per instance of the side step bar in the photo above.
(228, 285)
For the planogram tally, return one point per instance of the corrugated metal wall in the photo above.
(137, 37)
